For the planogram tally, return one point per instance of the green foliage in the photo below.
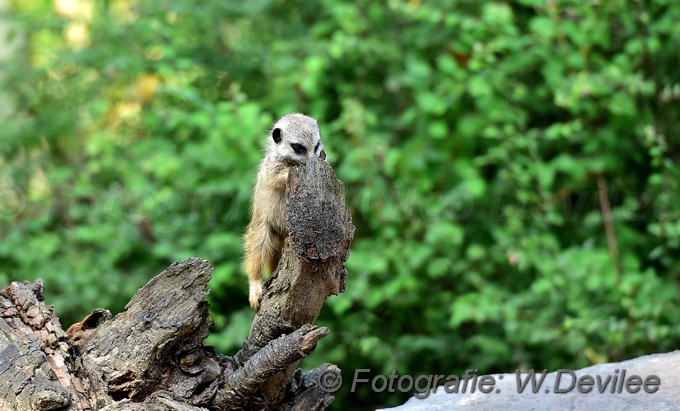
(512, 168)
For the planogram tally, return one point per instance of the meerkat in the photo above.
(293, 139)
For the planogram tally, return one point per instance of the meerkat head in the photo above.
(295, 138)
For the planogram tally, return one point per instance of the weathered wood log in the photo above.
(152, 357)
(311, 268)
(33, 352)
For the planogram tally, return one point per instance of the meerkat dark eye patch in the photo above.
(298, 148)
(276, 135)
(316, 148)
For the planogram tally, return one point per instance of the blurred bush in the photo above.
(512, 167)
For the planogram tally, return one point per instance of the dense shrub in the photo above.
(512, 167)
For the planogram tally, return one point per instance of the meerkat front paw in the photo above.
(255, 294)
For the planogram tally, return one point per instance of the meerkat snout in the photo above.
(293, 140)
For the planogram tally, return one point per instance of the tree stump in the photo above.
(152, 357)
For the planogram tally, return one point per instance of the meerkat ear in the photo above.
(276, 135)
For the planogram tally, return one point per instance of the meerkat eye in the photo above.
(276, 135)
(298, 148)
(316, 148)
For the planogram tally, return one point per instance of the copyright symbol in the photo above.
(330, 381)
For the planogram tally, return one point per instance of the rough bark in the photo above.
(152, 357)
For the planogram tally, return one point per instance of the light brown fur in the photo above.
(267, 230)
